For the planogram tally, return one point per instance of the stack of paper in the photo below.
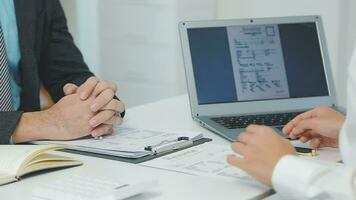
(125, 142)
(203, 160)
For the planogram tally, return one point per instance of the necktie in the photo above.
(6, 103)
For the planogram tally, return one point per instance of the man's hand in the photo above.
(71, 115)
(260, 149)
(66, 120)
(320, 126)
(104, 104)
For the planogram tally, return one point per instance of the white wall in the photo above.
(136, 44)
(82, 16)
(349, 17)
(335, 14)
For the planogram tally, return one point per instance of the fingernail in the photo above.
(83, 95)
(94, 107)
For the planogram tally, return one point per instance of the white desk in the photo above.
(170, 114)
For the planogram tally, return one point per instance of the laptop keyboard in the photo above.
(235, 122)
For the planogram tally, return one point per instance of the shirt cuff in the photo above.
(345, 141)
(293, 175)
(11, 141)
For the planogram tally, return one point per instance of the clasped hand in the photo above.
(103, 104)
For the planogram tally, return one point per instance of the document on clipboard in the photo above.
(132, 143)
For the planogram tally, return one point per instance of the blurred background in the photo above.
(136, 42)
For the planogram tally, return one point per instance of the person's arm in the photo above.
(297, 178)
(301, 178)
(271, 160)
(66, 120)
(62, 64)
(305, 179)
(61, 61)
(8, 123)
(348, 133)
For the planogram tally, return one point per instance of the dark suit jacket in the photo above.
(48, 56)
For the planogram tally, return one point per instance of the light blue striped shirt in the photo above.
(9, 27)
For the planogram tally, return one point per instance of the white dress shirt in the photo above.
(301, 178)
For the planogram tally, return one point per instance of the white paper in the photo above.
(89, 188)
(124, 142)
(258, 62)
(13, 156)
(203, 160)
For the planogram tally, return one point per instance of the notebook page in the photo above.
(6, 178)
(12, 156)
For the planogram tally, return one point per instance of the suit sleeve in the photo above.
(63, 62)
(8, 123)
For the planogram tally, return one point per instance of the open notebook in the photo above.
(19, 160)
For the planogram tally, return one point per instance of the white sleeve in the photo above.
(297, 178)
(301, 178)
(348, 132)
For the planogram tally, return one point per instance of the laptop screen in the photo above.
(257, 62)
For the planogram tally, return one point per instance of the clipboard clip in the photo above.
(170, 145)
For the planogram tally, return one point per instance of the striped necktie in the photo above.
(6, 103)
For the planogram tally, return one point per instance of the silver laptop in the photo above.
(255, 71)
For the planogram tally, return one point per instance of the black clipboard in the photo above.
(135, 160)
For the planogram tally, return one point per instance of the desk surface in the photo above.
(167, 115)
